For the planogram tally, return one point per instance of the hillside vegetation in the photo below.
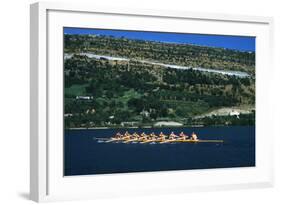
(134, 93)
(180, 54)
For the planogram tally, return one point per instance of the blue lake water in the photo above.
(84, 155)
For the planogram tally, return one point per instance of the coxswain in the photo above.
(194, 136)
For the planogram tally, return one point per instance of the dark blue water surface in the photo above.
(86, 155)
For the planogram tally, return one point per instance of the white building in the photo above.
(84, 97)
(234, 113)
(167, 124)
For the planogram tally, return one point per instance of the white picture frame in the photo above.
(47, 182)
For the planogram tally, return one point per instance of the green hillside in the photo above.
(115, 93)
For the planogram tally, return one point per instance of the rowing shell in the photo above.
(159, 140)
(131, 140)
(182, 141)
(148, 141)
(167, 141)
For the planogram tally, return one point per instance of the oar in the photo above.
(131, 140)
(101, 138)
(147, 141)
(216, 141)
(167, 141)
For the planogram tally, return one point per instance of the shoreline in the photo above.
(146, 127)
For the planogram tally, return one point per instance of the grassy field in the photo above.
(75, 90)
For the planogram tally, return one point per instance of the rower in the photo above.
(118, 135)
(153, 136)
(143, 136)
(162, 136)
(194, 136)
(183, 136)
(135, 135)
(172, 136)
(127, 135)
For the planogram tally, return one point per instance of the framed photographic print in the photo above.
(127, 102)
